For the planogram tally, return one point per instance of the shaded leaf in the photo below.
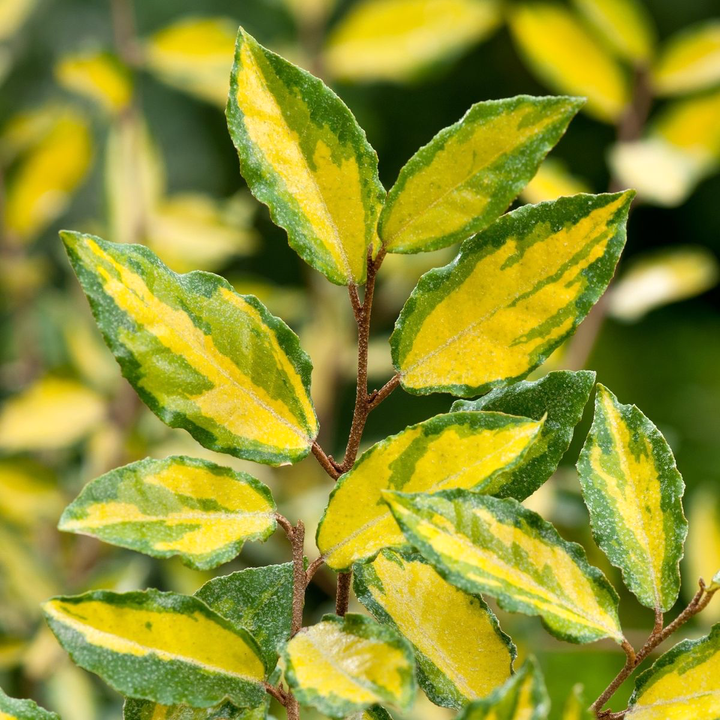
(147, 710)
(12, 709)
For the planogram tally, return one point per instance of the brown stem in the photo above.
(292, 708)
(342, 599)
(327, 463)
(314, 566)
(277, 692)
(125, 36)
(296, 536)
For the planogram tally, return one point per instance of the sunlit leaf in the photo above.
(658, 278)
(568, 58)
(52, 413)
(195, 55)
(159, 646)
(690, 60)
(684, 684)
(512, 295)
(100, 76)
(343, 665)
(522, 697)
(303, 154)
(483, 544)
(201, 356)
(28, 493)
(13, 14)
(560, 397)
(553, 180)
(178, 506)
(398, 39)
(576, 707)
(466, 450)
(461, 652)
(470, 172)
(633, 491)
(624, 25)
(12, 709)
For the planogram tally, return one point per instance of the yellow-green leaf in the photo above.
(522, 697)
(201, 356)
(147, 710)
(702, 550)
(690, 60)
(576, 707)
(553, 180)
(195, 55)
(164, 647)
(568, 58)
(470, 172)
(483, 544)
(634, 491)
(178, 506)
(467, 450)
(461, 652)
(303, 154)
(52, 413)
(684, 684)
(399, 39)
(511, 296)
(13, 14)
(624, 25)
(28, 493)
(98, 75)
(344, 665)
(12, 709)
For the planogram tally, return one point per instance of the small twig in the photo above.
(327, 463)
(314, 566)
(342, 599)
(296, 536)
(377, 396)
(125, 36)
(277, 692)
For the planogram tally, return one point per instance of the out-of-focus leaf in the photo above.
(568, 58)
(343, 665)
(553, 180)
(399, 39)
(157, 646)
(146, 710)
(576, 707)
(28, 493)
(27, 128)
(12, 709)
(310, 12)
(702, 550)
(467, 450)
(471, 171)
(88, 352)
(177, 506)
(201, 356)
(512, 295)
(461, 652)
(624, 25)
(13, 14)
(290, 303)
(661, 277)
(194, 55)
(303, 154)
(690, 60)
(100, 76)
(633, 491)
(72, 693)
(560, 398)
(40, 188)
(684, 684)
(483, 544)
(50, 414)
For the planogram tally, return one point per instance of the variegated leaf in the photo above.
(483, 544)
(576, 707)
(12, 709)
(178, 506)
(565, 55)
(690, 60)
(303, 154)
(397, 40)
(512, 295)
(633, 490)
(466, 450)
(461, 652)
(522, 697)
(560, 398)
(377, 712)
(343, 665)
(201, 356)
(684, 684)
(470, 172)
(164, 647)
(147, 710)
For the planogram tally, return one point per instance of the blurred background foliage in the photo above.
(111, 122)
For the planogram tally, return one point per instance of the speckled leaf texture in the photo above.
(457, 450)
(483, 544)
(470, 172)
(522, 697)
(684, 684)
(560, 397)
(202, 357)
(178, 506)
(165, 647)
(146, 710)
(510, 297)
(303, 154)
(460, 650)
(343, 665)
(633, 490)
(372, 713)
(12, 709)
